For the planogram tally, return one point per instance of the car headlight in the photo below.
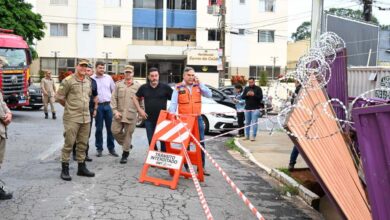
(31, 91)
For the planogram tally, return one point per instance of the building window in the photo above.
(112, 31)
(266, 36)
(267, 5)
(154, 4)
(256, 71)
(59, 2)
(143, 33)
(182, 4)
(139, 69)
(242, 2)
(179, 37)
(57, 29)
(214, 35)
(85, 27)
(112, 3)
(241, 31)
(63, 65)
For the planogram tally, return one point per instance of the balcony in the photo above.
(145, 17)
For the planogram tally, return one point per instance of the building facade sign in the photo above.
(202, 57)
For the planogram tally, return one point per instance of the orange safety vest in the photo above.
(189, 103)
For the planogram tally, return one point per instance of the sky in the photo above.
(300, 10)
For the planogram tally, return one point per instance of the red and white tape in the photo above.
(228, 180)
(202, 199)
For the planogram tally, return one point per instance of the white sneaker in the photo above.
(253, 138)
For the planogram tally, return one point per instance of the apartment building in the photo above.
(168, 34)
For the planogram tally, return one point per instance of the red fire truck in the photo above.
(15, 60)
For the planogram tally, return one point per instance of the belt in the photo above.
(104, 103)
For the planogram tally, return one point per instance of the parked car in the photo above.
(216, 117)
(229, 91)
(35, 94)
(218, 96)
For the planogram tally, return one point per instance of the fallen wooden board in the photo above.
(326, 152)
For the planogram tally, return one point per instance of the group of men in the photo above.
(86, 95)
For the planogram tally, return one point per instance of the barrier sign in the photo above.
(170, 161)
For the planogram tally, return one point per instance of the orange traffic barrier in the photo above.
(172, 130)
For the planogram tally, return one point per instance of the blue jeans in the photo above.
(294, 156)
(150, 126)
(251, 117)
(104, 114)
(201, 137)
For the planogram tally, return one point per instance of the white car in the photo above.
(216, 117)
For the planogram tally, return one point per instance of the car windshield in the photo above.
(10, 57)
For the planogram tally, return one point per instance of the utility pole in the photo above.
(222, 40)
(316, 20)
(273, 67)
(55, 62)
(367, 10)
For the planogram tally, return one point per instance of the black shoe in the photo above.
(83, 171)
(46, 115)
(205, 172)
(88, 159)
(54, 116)
(113, 153)
(125, 155)
(187, 168)
(290, 167)
(4, 195)
(65, 172)
(99, 153)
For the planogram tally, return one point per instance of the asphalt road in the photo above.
(32, 169)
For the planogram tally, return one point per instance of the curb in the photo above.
(308, 196)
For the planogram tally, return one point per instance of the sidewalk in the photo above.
(272, 151)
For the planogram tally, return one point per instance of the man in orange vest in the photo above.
(187, 99)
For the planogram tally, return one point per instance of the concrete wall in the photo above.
(295, 50)
(362, 79)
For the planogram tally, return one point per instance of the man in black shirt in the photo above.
(155, 96)
(253, 96)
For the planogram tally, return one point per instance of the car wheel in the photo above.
(206, 125)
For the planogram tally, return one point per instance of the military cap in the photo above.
(129, 68)
(83, 62)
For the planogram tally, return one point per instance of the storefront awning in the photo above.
(164, 57)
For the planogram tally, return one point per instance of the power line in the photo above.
(288, 16)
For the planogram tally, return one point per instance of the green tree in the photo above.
(18, 16)
(263, 81)
(385, 27)
(304, 30)
(350, 13)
